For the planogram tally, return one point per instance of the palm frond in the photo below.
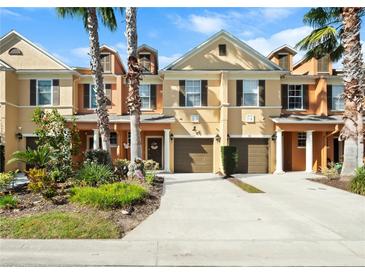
(320, 17)
(108, 18)
(80, 12)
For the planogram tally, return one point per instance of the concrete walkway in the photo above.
(206, 221)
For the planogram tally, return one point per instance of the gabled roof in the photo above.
(13, 33)
(116, 53)
(245, 47)
(5, 66)
(145, 46)
(283, 47)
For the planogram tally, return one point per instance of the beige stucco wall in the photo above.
(208, 58)
(31, 58)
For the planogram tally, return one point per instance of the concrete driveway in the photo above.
(206, 221)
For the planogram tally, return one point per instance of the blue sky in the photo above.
(172, 31)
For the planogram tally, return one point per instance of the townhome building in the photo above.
(281, 116)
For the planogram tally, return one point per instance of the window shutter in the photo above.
(56, 92)
(86, 95)
(305, 97)
(261, 93)
(239, 92)
(284, 96)
(204, 91)
(33, 92)
(153, 96)
(329, 97)
(108, 94)
(182, 93)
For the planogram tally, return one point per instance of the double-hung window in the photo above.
(193, 93)
(44, 92)
(295, 96)
(250, 93)
(145, 94)
(337, 98)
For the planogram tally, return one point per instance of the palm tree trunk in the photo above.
(101, 100)
(133, 77)
(352, 131)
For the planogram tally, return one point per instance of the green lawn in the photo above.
(58, 225)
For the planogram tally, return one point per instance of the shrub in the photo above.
(121, 168)
(229, 159)
(6, 178)
(40, 182)
(151, 165)
(99, 156)
(332, 172)
(92, 174)
(38, 158)
(8, 202)
(150, 177)
(108, 196)
(358, 182)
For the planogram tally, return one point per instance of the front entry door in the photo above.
(154, 149)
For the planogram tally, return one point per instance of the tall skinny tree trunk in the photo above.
(352, 131)
(133, 77)
(101, 100)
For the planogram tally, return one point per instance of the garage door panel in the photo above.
(193, 155)
(252, 154)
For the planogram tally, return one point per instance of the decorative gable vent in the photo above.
(15, 51)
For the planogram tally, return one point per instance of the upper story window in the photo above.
(301, 139)
(284, 60)
(323, 65)
(337, 97)
(295, 96)
(250, 93)
(145, 61)
(106, 62)
(222, 49)
(44, 92)
(145, 93)
(193, 93)
(92, 96)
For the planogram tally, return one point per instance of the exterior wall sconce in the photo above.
(218, 138)
(171, 136)
(273, 137)
(228, 137)
(194, 128)
(19, 136)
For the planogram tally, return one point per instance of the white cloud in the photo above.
(265, 45)
(81, 52)
(61, 57)
(4, 12)
(121, 46)
(273, 14)
(166, 60)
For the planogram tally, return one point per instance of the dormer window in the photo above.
(15, 51)
(284, 61)
(145, 61)
(106, 62)
(323, 65)
(222, 49)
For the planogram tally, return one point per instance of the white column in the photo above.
(309, 152)
(279, 152)
(96, 139)
(167, 150)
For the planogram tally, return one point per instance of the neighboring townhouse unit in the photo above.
(281, 116)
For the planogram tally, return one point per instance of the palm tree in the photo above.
(336, 33)
(90, 19)
(133, 77)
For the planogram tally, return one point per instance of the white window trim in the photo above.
(258, 93)
(37, 95)
(186, 94)
(302, 97)
(149, 98)
(332, 97)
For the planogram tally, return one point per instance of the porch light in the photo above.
(218, 138)
(228, 137)
(19, 136)
(171, 136)
(273, 137)
(194, 128)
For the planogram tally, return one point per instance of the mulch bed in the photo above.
(33, 203)
(341, 183)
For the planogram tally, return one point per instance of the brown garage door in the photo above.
(252, 154)
(193, 155)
